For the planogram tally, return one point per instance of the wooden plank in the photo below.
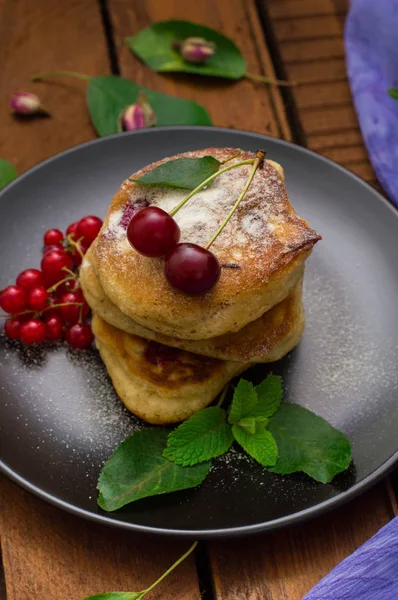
(243, 104)
(347, 156)
(48, 553)
(318, 71)
(307, 28)
(309, 50)
(340, 139)
(317, 95)
(288, 563)
(36, 37)
(288, 9)
(52, 554)
(335, 118)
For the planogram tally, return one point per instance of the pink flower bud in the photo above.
(137, 116)
(25, 103)
(196, 50)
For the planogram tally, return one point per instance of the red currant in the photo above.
(192, 269)
(53, 265)
(56, 247)
(53, 236)
(30, 278)
(88, 229)
(152, 232)
(72, 230)
(79, 336)
(68, 286)
(55, 327)
(13, 299)
(12, 327)
(38, 298)
(33, 331)
(73, 309)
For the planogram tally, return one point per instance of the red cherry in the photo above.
(57, 247)
(79, 336)
(72, 230)
(33, 331)
(12, 327)
(192, 269)
(55, 327)
(88, 229)
(38, 298)
(53, 236)
(53, 265)
(13, 299)
(30, 278)
(152, 232)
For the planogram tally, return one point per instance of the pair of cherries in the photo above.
(188, 267)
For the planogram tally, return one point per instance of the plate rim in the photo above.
(297, 517)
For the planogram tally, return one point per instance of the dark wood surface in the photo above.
(50, 554)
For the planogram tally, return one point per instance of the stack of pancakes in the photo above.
(170, 354)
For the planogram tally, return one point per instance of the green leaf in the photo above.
(269, 393)
(248, 424)
(108, 95)
(203, 436)
(308, 443)
(182, 172)
(393, 93)
(117, 596)
(243, 401)
(261, 445)
(154, 45)
(7, 173)
(137, 469)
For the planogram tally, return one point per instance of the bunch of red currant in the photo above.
(48, 304)
(188, 267)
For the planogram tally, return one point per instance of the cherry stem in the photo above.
(249, 161)
(41, 76)
(170, 569)
(238, 153)
(269, 80)
(257, 162)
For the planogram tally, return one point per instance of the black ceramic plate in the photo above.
(60, 418)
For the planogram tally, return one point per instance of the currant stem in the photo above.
(54, 287)
(41, 76)
(249, 161)
(170, 569)
(269, 80)
(256, 164)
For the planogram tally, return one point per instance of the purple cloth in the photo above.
(370, 573)
(371, 42)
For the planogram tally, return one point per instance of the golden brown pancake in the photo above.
(160, 384)
(266, 339)
(263, 249)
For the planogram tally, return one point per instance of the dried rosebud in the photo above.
(137, 116)
(25, 103)
(196, 50)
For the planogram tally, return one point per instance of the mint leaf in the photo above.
(7, 173)
(203, 436)
(269, 393)
(117, 596)
(308, 443)
(185, 173)
(261, 445)
(248, 424)
(137, 469)
(393, 93)
(154, 45)
(243, 401)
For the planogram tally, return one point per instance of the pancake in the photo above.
(266, 339)
(160, 384)
(262, 251)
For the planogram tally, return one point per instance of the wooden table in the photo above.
(47, 553)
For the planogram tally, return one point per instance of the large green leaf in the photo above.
(154, 46)
(308, 443)
(185, 173)
(108, 95)
(117, 596)
(137, 469)
(7, 172)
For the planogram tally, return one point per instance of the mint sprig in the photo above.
(285, 438)
(202, 437)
